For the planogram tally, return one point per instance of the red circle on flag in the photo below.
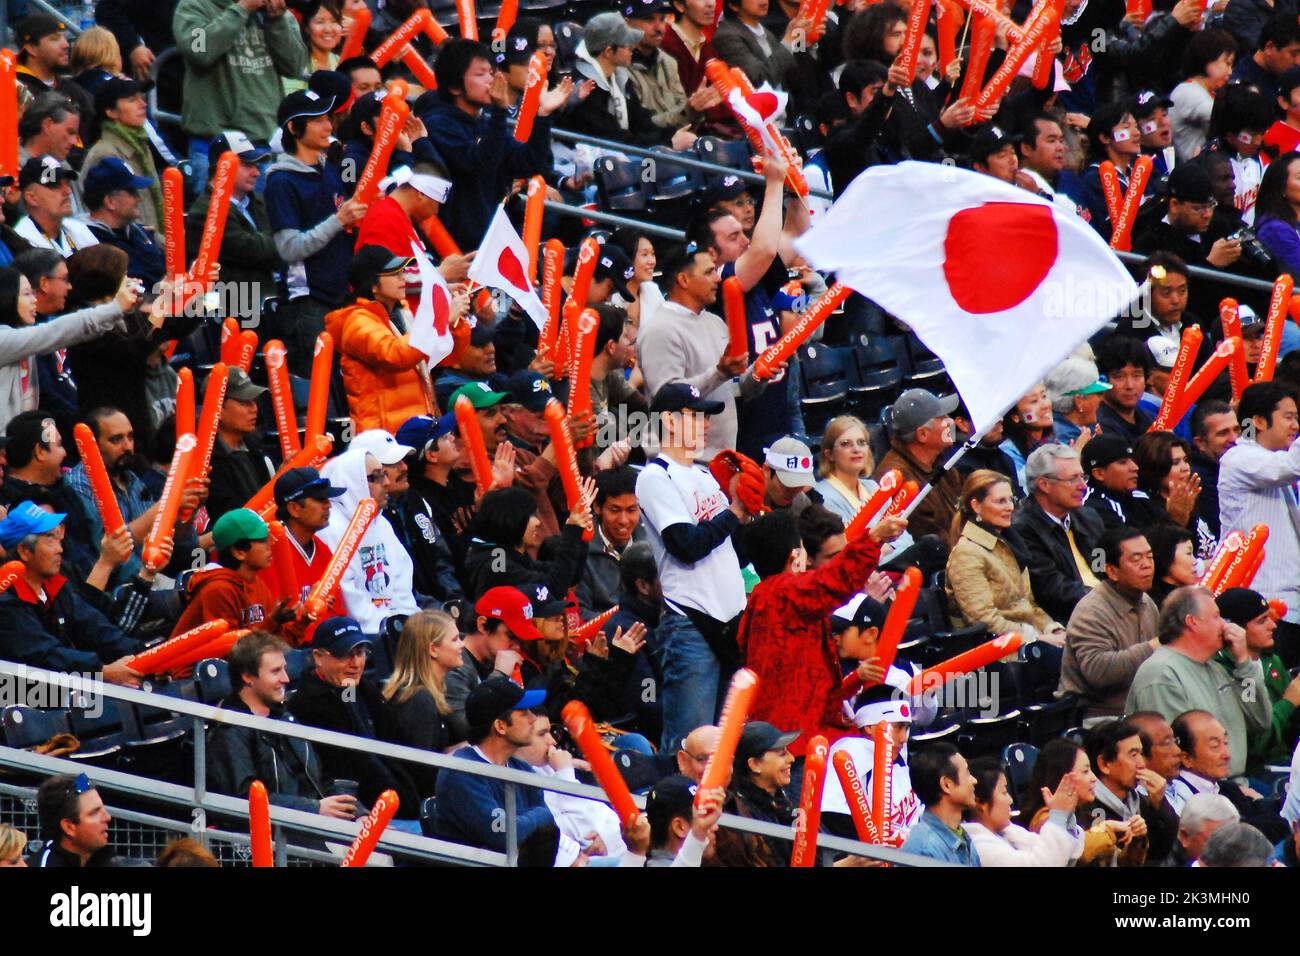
(997, 254)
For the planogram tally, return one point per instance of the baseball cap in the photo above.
(1074, 376)
(338, 636)
(512, 606)
(44, 171)
(519, 48)
(118, 88)
(241, 524)
(331, 85)
(723, 188)
(545, 604)
(239, 144)
(480, 395)
(760, 737)
(613, 263)
(382, 445)
(989, 140)
(1241, 605)
(304, 482)
(372, 261)
(1104, 450)
(860, 611)
(679, 397)
(528, 389)
(497, 696)
(111, 174)
(915, 407)
(1163, 351)
(420, 431)
(482, 334)
(670, 798)
(35, 27)
(1190, 183)
(303, 103)
(609, 29)
(1252, 323)
(792, 462)
(240, 387)
(366, 108)
(26, 518)
(643, 9)
(1146, 102)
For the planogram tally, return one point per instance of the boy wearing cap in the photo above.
(386, 377)
(921, 431)
(682, 833)
(239, 466)
(46, 186)
(43, 621)
(112, 194)
(1249, 611)
(310, 213)
(469, 807)
(788, 468)
(232, 78)
(248, 254)
(233, 588)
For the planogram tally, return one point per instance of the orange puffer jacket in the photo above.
(386, 378)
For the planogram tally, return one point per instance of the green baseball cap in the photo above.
(238, 525)
(480, 395)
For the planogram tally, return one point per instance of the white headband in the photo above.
(894, 711)
(434, 187)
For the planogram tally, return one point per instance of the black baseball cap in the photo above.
(644, 9)
(44, 171)
(680, 397)
(1146, 102)
(528, 389)
(35, 27)
(613, 263)
(544, 602)
(1189, 182)
(519, 48)
(303, 103)
(859, 611)
(1103, 451)
(372, 261)
(304, 482)
(670, 798)
(723, 188)
(482, 334)
(339, 636)
(333, 85)
(1241, 605)
(988, 140)
(118, 88)
(366, 109)
(760, 737)
(497, 696)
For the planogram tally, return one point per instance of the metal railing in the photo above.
(197, 797)
(1201, 272)
(613, 219)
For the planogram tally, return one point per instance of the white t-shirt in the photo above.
(73, 235)
(905, 808)
(670, 493)
(1247, 174)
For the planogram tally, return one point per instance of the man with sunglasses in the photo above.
(74, 824)
(337, 695)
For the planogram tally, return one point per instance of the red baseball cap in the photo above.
(512, 606)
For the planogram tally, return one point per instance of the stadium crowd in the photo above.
(1145, 721)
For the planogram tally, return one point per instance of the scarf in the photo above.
(137, 138)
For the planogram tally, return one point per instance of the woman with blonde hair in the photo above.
(13, 843)
(428, 649)
(845, 466)
(95, 57)
(988, 581)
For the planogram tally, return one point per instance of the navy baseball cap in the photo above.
(111, 174)
(498, 696)
(118, 88)
(613, 263)
(421, 431)
(303, 104)
(723, 188)
(27, 518)
(860, 611)
(670, 798)
(545, 604)
(528, 389)
(644, 9)
(679, 397)
(339, 636)
(304, 483)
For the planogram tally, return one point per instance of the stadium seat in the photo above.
(946, 734)
(803, 133)
(672, 189)
(620, 184)
(103, 726)
(945, 644)
(989, 735)
(1042, 668)
(725, 152)
(1076, 734)
(427, 806)
(878, 375)
(1050, 720)
(26, 727)
(213, 679)
(1019, 759)
(567, 37)
(825, 380)
(923, 368)
(296, 662)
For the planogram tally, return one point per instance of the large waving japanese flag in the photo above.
(431, 327)
(993, 279)
(502, 263)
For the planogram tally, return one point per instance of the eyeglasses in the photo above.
(853, 443)
(702, 758)
(1203, 206)
(1068, 479)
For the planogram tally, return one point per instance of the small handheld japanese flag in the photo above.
(758, 109)
(502, 263)
(998, 282)
(431, 327)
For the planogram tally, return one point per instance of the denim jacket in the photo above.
(933, 838)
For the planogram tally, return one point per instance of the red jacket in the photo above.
(785, 637)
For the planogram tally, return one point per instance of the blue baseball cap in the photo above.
(339, 636)
(420, 431)
(111, 174)
(27, 518)
(304, 483)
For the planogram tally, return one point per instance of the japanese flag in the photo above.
(756, 110)
(995, 280)
(431, 327)
(502, 263)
